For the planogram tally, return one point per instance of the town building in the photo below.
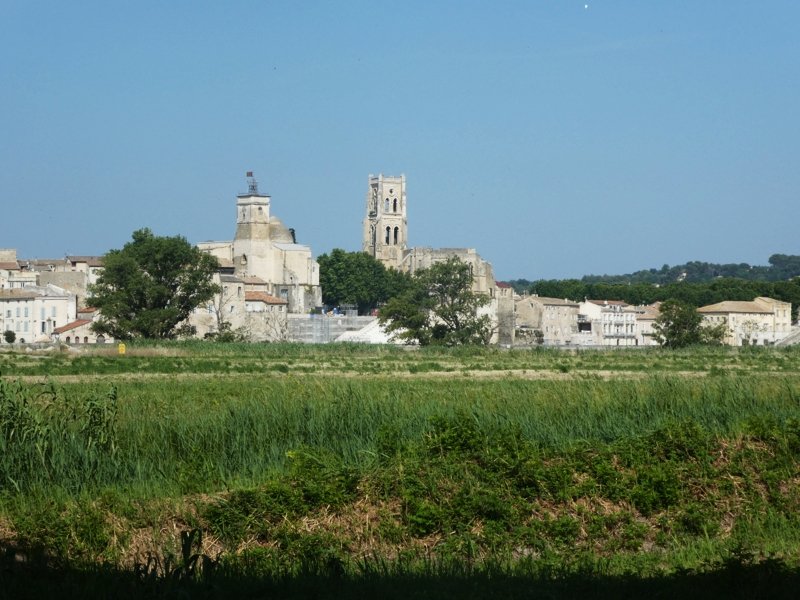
(33, 313)
(761, 322)
(546, 321)
(610, 322)
(265, 250)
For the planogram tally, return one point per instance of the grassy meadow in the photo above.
(344, 470)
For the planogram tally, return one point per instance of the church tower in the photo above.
(386, 225)
(252, 245)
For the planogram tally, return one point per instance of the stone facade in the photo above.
(762, 322)
(265, 249)
(386, 224)
(547, 321)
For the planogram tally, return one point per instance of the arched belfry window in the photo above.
(388, 233)
(396, 234)
(386, 205)
(395, 205)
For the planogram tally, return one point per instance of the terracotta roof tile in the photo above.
(70, 326)
(263, 297)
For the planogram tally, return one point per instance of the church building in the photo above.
(265, 256)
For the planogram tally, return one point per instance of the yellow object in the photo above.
(121, 348)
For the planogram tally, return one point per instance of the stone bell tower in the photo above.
(386, 225)
(252, 245)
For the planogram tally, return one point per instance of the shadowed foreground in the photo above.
(28, 574)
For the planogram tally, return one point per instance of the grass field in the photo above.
(289, 471)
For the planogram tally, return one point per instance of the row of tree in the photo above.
(781, 267)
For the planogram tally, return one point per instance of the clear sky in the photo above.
(559, 138)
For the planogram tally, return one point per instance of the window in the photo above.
(388, 233)
(8, 313)
(396, 234)
(18, 311)
(44, 327)
(86, 340)
(25, 327)
(41, 313)
(386, 205)
(101, 339)
(53, 311)
(68, 339)
(25, 310)
(395, 205)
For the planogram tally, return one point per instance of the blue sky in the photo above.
(559, 138)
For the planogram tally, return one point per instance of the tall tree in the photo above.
(680, 325)
(439, 308)
(150, 287)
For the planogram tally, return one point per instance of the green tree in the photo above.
(679, 325)
(358, 278)
(439, 308)
(150, 287)
(9, 336)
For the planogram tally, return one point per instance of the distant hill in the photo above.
(781, 268)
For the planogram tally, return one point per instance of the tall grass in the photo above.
(181, 436)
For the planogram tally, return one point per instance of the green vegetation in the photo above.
(782, 267)
(356, 278)
(296, 471)
(679, 325)
(439, 308)
(151, 286)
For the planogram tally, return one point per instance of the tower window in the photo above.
(388, 233)
(386, 205)
(395, 205)
(396, 234)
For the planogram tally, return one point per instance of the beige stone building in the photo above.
(265, 249)
(645, 321)
(547, 321)
(79, 331)
(761, 322)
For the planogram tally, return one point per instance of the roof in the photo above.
(252, 279)
(92, 261)
(503, 285)
(10, 266)
(735, 306)
(263, 297)
(608, 302)
(551, 301)
(70, 326)
(225, 278)
(18, 294)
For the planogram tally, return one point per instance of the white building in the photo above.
(610, 322)
(34, 312)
